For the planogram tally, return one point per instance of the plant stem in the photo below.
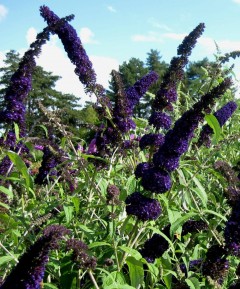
(93, 279)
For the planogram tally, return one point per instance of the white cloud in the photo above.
(31, 35)
(156, 24)
(175, 36)
(3, 12)
(149, 37)
(87, 36)
(225, 45)
(236, 1)
(111, 9)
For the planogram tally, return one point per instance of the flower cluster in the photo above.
(30, 269)
(192, 226)
(74, 48)
(216, 265)
(21, 84)
(167, 92)
(151, 140)
(49, 162)
(167, 158)
(110, 135)
(80, 255)
(222, 115)
(113, 195)
(155, 246)
(232, 230)
(232, 192)
(142, 207)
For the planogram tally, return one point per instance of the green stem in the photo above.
(132, 240)
(93, 279)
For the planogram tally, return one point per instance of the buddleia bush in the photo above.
(147, 203)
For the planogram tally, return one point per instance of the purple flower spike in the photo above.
(29, 272)
(154, 140)
(135, 92)
(166, 160)
(74, 48)
(160, 120)
(142, 207)
(156, 180)
(224, 113)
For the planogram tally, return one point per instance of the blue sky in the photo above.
(113, 31)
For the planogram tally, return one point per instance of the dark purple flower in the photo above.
(92, 148)
(217, 270)
(151, 140)
(20, 85)
(39, 147)
(141, 169)
(194, 265)
(222, 115)
(49, 162)
(192, 226)
(29, 272)
(160, 120)
(124, 124)
(232, 231)
(142, 207)
(188, 43)
(156, 180)
(207, 100)
(216, 265)
(174, 143)
(74, 48)
(135, 92)
(80, 254)
(5, 165)
(112, 195)
(155, 246)
(166, 160)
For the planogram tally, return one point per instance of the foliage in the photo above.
(144, 204)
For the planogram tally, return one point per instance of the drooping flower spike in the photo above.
(29, 271)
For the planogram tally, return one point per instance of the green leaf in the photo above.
(76, 203)
(193, 283)
(114, 280)
(49, 286)
(140, 122)
(98, 244)
(45, 129)
(136, 271)
(4, 206)
(214, 124)
(68, 212)
(6, 191)
(16, 130)
(173, 215)
(22, 168)
(181, 221)
(216, 214)
(85, 228)
(131, 184)
(7, 259)
(134, 253)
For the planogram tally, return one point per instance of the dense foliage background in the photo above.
(138, 190)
